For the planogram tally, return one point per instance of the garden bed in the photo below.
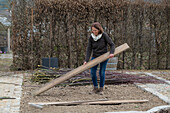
(121, 91)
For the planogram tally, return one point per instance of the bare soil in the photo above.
(77, 93)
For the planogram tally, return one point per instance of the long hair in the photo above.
(98, 26)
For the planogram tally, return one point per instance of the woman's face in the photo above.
(95, 31)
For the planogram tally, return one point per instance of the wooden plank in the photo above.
(95, 102)
(66, 103)
(80, 69)
(111, 102)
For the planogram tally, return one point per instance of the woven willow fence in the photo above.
(61, 28)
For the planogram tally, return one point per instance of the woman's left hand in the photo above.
(111, 55)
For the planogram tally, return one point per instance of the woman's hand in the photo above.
(111, 55)
(85, 63)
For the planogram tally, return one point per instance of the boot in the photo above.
(100, 91)
(95, 90)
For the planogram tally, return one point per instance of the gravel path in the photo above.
(10, 87)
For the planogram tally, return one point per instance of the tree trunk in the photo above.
(76, 45)
(67, 42)
(140, 39)
(168, 38)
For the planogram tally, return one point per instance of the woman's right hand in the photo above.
(85, 63)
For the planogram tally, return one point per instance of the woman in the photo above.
(97, 45)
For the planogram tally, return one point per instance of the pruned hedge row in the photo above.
(60, 28)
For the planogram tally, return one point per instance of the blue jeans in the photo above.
(101, 73)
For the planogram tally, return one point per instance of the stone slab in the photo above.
(153, 110)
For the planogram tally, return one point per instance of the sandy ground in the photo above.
(77, 93)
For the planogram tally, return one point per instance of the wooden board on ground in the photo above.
(112, 102)
(81, 69)
(95, 102)
(66, 103)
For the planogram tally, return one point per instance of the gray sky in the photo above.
(5, 16)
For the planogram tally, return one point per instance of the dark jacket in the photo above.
(99, 47)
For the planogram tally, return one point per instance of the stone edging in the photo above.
(148, 89)
(153, 110)
(150, 74)
(159, 95)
